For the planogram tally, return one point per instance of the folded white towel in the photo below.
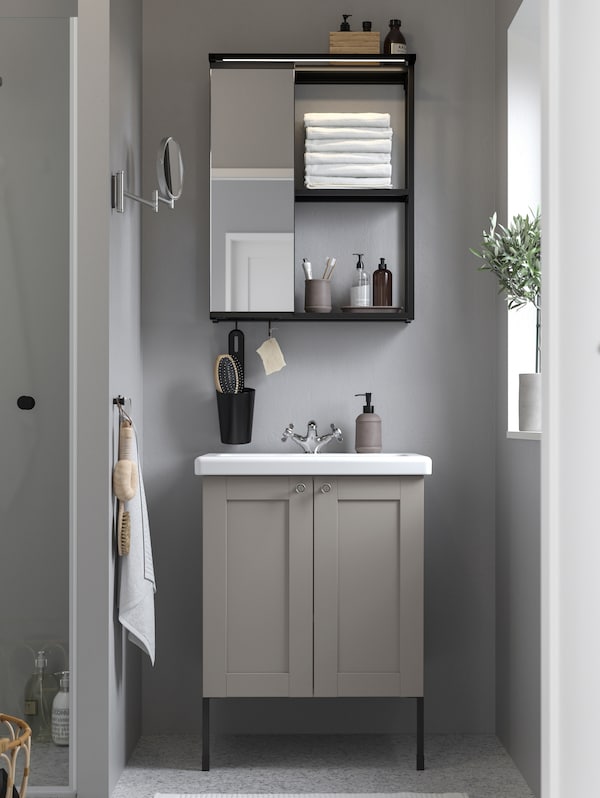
(319, 181)
(137, 584)
(347, 120)
(316, 132)
(349, 169)
(346, 157)
(348, 145)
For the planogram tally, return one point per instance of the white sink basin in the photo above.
(341, 464)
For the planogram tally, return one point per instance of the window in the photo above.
(524, 175)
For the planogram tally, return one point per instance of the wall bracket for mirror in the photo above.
(169, 171)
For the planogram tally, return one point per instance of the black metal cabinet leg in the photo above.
(420, 734)
(205, 734)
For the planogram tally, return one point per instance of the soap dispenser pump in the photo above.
(360, 293)
(368, 428)
(40, 690)
(60, 712)
(382, 285)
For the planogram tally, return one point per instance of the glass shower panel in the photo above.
(34, 383)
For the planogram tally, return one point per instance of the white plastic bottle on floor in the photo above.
(60, 712)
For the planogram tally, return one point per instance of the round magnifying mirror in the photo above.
(169, 168)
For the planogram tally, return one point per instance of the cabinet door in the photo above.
(368, 589)
(257, 592)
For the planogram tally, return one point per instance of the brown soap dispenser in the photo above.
(368, 428)
(382, 285)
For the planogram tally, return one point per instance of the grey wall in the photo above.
(125, 333)
(517, 518)
(107, 363)
(93, 413)
(433, 381)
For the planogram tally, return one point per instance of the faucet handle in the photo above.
(288, 431)
(336, 432)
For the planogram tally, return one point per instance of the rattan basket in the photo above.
(16, 743)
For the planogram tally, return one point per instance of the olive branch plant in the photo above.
(513, 254)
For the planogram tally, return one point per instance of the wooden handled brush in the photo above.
(125, 484)
(228, 377)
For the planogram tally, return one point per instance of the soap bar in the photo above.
(271, 356)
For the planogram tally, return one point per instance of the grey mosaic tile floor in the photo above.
(49, 765)
(475, 764)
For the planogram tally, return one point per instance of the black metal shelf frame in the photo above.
(347, 69)
(335, 315)
(350, 195)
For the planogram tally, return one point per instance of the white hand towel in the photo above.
(319, 181)
(348, 145)
(346, 157)
(347, 120)
(137, 584)
(349, 132)
(350, 169)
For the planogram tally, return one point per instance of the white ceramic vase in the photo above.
(530, 402)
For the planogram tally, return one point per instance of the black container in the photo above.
(382, 285)
(394, 43)
(236, 411)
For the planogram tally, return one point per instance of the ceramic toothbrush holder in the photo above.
(317, 296)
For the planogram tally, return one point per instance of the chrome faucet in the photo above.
(312, 442)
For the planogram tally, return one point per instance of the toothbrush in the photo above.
(329, 268)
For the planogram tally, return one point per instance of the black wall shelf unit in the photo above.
(347, 70)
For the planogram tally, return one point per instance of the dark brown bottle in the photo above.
(382, 285)
(394, 43)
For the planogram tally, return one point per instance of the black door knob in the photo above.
(25, 402)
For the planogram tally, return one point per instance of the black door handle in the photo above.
(25, 402)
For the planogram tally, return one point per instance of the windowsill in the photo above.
(516, 434)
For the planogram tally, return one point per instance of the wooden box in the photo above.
(347, 42)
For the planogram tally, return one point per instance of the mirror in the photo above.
(169, 169)
(252, 190)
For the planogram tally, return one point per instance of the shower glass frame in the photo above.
(66, 782)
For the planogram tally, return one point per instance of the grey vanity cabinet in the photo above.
(312, 586)
(292, 560)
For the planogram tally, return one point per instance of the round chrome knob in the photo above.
(300, 487)
(326, 488)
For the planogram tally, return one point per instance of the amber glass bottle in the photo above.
(382, 285)
(394, 43)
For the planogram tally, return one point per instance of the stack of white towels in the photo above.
(347, 150)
